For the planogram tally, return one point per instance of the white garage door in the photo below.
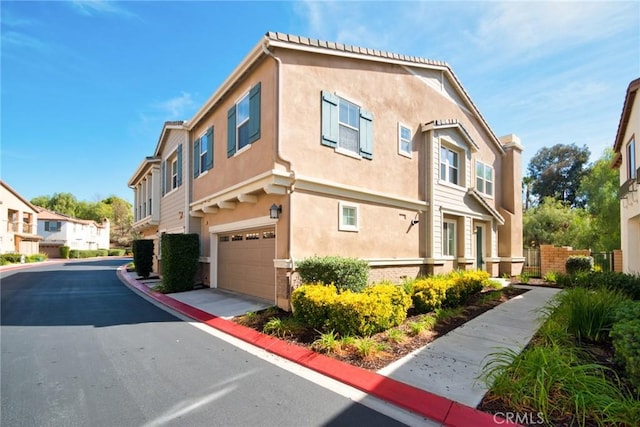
(245, 262)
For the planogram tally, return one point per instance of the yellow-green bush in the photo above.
(449, 290)
(310, 303)
(378, 308)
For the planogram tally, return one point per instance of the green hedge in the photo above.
(143, 257)
(116, 252)
(447, 290)
(345, 273)
(180, 253)
(624, 336)
(64, 251)
(11, 258)
(578, 263)
(376, 309)
(87, 253)
(627, 283)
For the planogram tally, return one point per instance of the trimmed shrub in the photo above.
(36, 258)
(447, 291)
(624, 336)
(578, 263)
(11, 258)
(180, 253)
(429, 293)
(627, 283)
(378, 308)
(345, 273)
(116, 252)
(64, 251)
(310, 302)
(143, 257)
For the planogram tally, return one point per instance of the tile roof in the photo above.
(290, 38)
(46, 214)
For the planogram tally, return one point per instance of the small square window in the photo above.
(404, 141)
(348, 217)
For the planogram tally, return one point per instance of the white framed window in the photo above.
(449, 165)
(631, 159)
(174, 174)
(242, 122)
(484, 178)
(203, 153)
(346, 127)
(404, 140)
(448, 238)
(349, 120)
(348, 217)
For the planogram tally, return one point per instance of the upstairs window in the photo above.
(172, 178)
(404, 141)
(449, 165)
(203, 153)
(631, 159)
(243, 121)
(346, 127)
(484, 178)
(52, 226)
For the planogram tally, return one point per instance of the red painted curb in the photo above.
(413, 399)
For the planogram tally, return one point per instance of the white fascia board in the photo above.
(357, 193)
(258, 222)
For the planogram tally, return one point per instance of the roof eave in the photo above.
(632, 90)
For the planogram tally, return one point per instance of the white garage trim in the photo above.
(216, 230)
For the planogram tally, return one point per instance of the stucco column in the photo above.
(510, 233)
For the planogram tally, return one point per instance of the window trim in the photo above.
(408, 154)
(631, 159)
(445, 238)
(331, 125)
(174, 173)
(348, 227)
(460, 154)
(242, 98)
(484, 180)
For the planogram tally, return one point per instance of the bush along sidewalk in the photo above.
(565, 374)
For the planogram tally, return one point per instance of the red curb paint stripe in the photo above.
(413, 399)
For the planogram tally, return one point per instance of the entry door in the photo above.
(479, 247)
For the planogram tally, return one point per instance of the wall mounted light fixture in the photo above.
(275, 211)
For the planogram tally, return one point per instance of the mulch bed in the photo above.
(392, 351)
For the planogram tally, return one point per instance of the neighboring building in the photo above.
(627, 160)
(62, 230)
(360, 153)
(18, 230)
(161, 184)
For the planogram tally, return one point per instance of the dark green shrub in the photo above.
(64, 251)
(180, 254)
(345, 273)
(36, 258)
(11, 258)
(627, 310)
(578, 263)
(624, 336)
(627, 283)
(116, 252)
(143, 257)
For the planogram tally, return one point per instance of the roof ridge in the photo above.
(291, 38)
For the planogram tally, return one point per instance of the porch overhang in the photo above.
(478, 197)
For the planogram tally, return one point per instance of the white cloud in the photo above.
(177, 107)
(98, 7)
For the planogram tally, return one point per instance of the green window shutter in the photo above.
(231, 131)
(209, 164)
(366, 134)
(254, 113)
(179, 165)
(164, 177)
(330, 125)
(196, 158)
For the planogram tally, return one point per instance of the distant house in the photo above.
(318, 148)
(18, 230)
(62, 230)
(627, 160)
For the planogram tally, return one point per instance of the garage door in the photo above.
(245, 262)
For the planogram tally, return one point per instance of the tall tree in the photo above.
(599, 188)
(557, 172)
(554, 223)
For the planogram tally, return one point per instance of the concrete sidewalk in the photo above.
(450, 365)
(438, 382)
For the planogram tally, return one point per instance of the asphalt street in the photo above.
(79, 348)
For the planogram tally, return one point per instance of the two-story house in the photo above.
(627, 160)
(18, 229)
(62, 230)
(319, 148)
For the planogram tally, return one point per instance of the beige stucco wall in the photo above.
(630, 206)
(8, 242)
(249, 162)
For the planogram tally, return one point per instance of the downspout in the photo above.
(278, 156)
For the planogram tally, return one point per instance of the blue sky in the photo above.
(87, 85)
